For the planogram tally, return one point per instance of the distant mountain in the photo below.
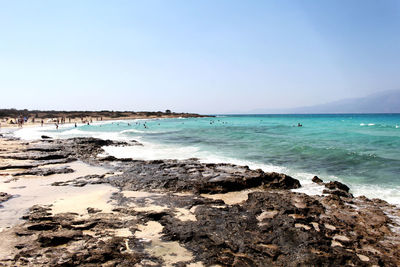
(383, 102)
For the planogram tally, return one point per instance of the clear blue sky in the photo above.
(195, 56)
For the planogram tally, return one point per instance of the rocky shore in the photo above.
(187, 213)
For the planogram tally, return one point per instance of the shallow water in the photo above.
(362, 151)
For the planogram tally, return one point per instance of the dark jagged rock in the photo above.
(337, 185)
(44, 149)
(232, 182)
(281, 181)
(38, 213)
(135, 143)
(93, 210)
(43, 226)
(81, 181)
(58, 238)
(37, 156)
(86, 147)
(317, 180)
(18, 166)
(112, 158)
(45, 237)
(277, 229)
(191, 175)
(338, 189)
(44, 171)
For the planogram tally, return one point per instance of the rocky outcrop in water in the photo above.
(196, 177)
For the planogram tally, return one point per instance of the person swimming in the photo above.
(299, 125)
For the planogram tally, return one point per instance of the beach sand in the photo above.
(79, 117)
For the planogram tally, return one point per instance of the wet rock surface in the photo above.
(165, 214)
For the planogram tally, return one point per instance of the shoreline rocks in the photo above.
(167, 200)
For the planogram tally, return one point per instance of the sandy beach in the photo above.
(200, 133)
(66, 203)
(9, 118)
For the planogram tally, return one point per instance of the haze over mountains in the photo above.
(382, 102)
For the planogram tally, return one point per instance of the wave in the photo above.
(150, 151)
(144, 131)
(154, 151)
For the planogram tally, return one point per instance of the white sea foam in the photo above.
(367, 124)
(151, 152)
(141, 131)
(154, 151)
(132, 131)
(65, 131)
(33, 133)
(390, 194)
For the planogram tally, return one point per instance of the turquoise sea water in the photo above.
(360, 150)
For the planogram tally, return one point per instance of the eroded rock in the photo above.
(272, 227)
(191, 175)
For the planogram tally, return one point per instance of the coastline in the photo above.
(160, 143)
(159, 209)
(34, 118)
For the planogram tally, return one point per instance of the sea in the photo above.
(360, 150)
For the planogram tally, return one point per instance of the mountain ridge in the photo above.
(381, 102)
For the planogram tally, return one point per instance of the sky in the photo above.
(208, 56)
